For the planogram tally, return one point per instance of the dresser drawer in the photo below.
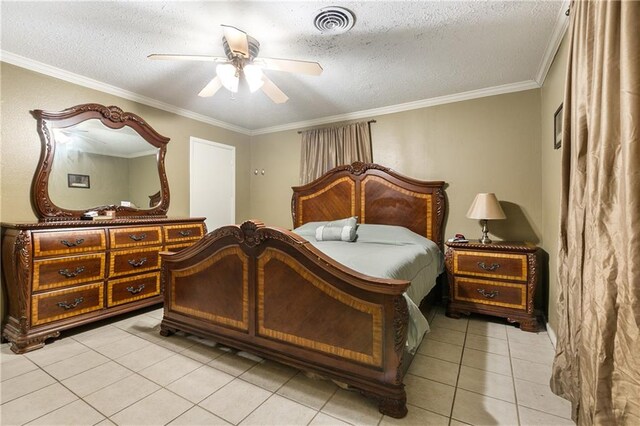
(494, 293)
(491, 265)
(56, 305)
(126, 290)
(68, 242)
(135, 237)
(66, 271)
(125, 262)
(179, 233)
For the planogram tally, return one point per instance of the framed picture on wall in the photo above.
(557, 128)
(78, 181)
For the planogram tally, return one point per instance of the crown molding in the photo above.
(464, 96)
(39, 67)
(559, 29)
(80, 80)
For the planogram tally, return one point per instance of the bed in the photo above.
(274, 293)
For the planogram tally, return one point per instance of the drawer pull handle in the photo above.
(185, 233)
(72, 244)
(489, 268)
(137, 263)
(135, 237)
(70, 274)
(135, 290)
(67, 306)
(488, 294)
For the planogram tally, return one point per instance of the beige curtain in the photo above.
(324, 149)
(597, 364)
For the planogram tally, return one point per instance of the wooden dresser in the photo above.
(499, 279)
(58, 275)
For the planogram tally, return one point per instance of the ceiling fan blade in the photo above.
(204, 58)
(211, 88)
(237, 40)
(272, 91)
(290, 65)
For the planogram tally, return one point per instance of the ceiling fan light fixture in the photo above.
(253, 75)
(228, 77)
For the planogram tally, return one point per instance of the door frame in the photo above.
(192, 141)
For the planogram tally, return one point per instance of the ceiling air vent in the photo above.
(334, 20)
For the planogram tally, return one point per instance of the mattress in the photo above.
(389, 252)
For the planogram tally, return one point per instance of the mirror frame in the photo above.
(112, 117)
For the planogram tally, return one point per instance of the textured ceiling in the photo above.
(397, 52)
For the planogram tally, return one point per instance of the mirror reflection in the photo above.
(94, 165)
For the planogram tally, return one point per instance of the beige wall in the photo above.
(23, 90)
(490, 144)
(552, 96)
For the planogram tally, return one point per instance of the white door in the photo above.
(212, 183)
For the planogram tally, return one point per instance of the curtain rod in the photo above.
(368, 122)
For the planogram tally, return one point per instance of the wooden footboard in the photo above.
(269, 292)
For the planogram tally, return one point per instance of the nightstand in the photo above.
(498, 279)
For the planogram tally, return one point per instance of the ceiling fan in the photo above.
(241, 61)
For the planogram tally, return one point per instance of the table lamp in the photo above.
(485, 207)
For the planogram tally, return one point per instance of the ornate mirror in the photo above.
(98, 158)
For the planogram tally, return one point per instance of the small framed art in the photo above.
(557, 128)
(78, 181)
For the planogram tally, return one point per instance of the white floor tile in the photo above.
(56, 350)
(542, 354)
(25, 384)
(483, 327)
(145, 357)
(352, 408)
(170, 369)
(11, 367)
(487, 383)
(35, 404)
(308, 391)
(487, 361)
(322, 419)
(269, 375)
(158, 408)
(529, 417)
(539, 397)
(102, 336)
(457, 324)
(198, 416)
(416, 417)
(200, 383)
(122, 347)
(119, 395)
(76, 364)
(280, 411)
(476, 409)
(430, 395)
(434, 369)
(531, 371)
(446, 335)
(91, 380)
(235, 401)
(232, 363)
(487, 344)
(441, 350)
(78, 413)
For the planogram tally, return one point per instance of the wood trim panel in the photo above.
(79, 269)
(68, 242)
(184, 232)
(138, 289)
(122, 262)
(520, 260)
(372, 309)
(500, 299)
(352, 199)
(90, 291)
(200, 267)
(135, 237)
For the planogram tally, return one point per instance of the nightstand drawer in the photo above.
(135, 237)
(67, 242)
(491, 265)
(66, 271)
(125, 262)
(494, 293)
(56, 305)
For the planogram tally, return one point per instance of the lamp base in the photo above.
(485, 231)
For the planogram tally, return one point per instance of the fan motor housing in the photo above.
(254, 48)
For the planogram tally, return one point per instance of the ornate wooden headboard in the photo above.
(375, 194)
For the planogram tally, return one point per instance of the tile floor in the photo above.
(474, 371)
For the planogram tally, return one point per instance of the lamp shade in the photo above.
(486, 206)
(228, 76)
